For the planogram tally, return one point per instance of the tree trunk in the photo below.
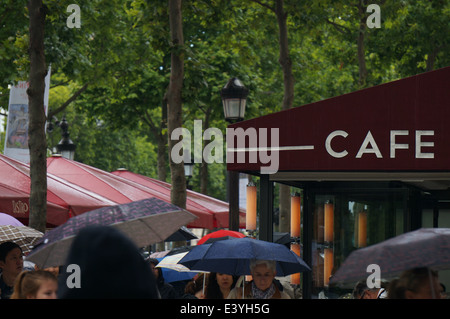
(431, 59)
(174, 106)
(361, 51)
(162, 143)
(285, 59)
(288, 99)
(204, 165)
(37, 142)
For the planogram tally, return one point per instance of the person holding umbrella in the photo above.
(165, 289)
(11, 263)
(262, 286)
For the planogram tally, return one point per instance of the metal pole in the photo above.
(233, 193)
(266, 209)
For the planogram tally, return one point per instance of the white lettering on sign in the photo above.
(328, 144)
(365, 150)
(395, 146)
(369, 145)
(420, 144)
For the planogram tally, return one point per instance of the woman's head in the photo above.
(263, 273)
(37, 284)
(417, 283)
(196, 286)
(218, 284)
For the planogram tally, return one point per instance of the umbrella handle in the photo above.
(239, 281)
(204, 280)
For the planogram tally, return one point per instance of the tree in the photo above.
(36, 117)
(174, 101)
(288, 97)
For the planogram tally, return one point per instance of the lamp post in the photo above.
(66, 147)
(234, 98)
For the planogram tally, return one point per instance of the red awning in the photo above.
(394, 130)
(63, 198)
(194, 201)
(122, 190)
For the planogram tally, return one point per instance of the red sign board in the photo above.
(397, 126)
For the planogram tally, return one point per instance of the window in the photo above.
(347, 220)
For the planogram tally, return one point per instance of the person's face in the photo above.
(154, 270)
(13, 264)
(263, 276)
(425, 291)
(224, 281)
(47, 290)
(370, 294)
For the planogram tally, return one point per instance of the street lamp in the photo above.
(66, 147)
(234, 98)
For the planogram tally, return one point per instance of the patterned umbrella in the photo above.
(24, 236)
(425, 247)
(145, 221)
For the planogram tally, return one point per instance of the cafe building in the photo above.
(369, 165)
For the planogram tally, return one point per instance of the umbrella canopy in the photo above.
(171, 262)
(115, 188)
(63, 199)
(219, 235)
(181, 234)
(425, 247)
(195, 202)
(146, 222)
(172, 271)
(6, 219)
(233, 257)
(24, 236)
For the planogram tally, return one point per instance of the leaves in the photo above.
(123, 51)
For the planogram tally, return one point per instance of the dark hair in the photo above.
(409, 280)
(213, 289)
(195, 285)
(359, 289)
(6, 247)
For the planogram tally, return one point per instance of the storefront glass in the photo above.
(348, 220)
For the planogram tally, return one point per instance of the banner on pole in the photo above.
(16, 139)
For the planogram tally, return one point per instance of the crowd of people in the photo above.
(113, 267)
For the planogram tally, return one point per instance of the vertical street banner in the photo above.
(16, 139)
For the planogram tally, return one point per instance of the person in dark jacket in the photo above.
(166, 290)
(110, 267)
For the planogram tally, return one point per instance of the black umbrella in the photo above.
(181, 234)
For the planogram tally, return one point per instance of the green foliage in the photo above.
(122, 51)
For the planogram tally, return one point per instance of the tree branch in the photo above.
(264, 5)
(70, 100)
(338, 27)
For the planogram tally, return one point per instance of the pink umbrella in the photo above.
(6, 219)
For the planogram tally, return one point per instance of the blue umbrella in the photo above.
(233, 257)
(171, 275)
